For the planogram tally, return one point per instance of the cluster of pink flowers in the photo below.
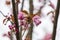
(23, 22)
(22, 17)
(13, 28)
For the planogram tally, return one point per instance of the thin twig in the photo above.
(2, 13)
(39, 11)
(11, 36)
(22, 5)
(20, 26)
(55, 21)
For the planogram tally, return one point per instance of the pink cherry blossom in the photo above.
(11, 26)
(36, 20)
(24, 23)
(21, 16)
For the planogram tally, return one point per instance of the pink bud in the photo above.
(9, 33)
(16, 30)
(4, 35)
(37, 22)
(11, 26)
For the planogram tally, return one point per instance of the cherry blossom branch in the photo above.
(55, 21)
(20, 31)
(29, 35)
(31, 13)
(15, 12)
(2, 13)
(6, 17)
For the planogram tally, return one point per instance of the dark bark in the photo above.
(29, 35)
(15, 12)
(31, 13)
(55, 21)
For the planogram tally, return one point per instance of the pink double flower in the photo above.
(36, 20)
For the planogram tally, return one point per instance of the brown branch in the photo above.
(22, 5)
(15, 11)
(39, 11)
(31, 13)
(55, 21)
(29, 35)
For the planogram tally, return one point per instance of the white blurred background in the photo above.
(38, 32)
